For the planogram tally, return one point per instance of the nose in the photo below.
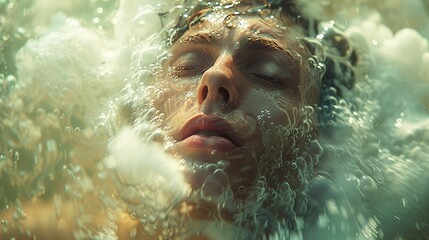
(217, 83)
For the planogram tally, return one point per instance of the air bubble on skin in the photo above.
(236, 45)
(221, 177)
(221, 165)
(263, 116)
(211, 189)
(160, 95)
(211, 168)
(190, 96)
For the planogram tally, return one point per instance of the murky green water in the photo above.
(83, 110)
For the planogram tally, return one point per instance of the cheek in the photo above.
(177, 99)
(273, 108)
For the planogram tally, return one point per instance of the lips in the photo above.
(204, 134)
(198, 138)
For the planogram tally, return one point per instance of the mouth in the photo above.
(206, 140)
(207, 134)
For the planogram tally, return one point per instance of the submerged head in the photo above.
(236, 97)
(237, 102)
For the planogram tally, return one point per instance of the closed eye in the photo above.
(272, 69)
(189, 64)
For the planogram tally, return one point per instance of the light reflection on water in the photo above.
(59, 141)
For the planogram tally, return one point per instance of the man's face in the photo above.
(232, 94)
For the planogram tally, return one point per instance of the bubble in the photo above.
(367, 186)
(285, 187)
(19, 214)
(157, 136)
(68, 129)
(96, 20)
(220, 165)
(241, 189)
(11, 80)
(211, 189)
(213, 152)
(41, 190)
(301, 164)
(301, 204)
(40, 114)
(211, 168)
(56, 112)
(236, 45)
(221, 177)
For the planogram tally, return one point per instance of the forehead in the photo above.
(231, 26)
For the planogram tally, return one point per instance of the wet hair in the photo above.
(329, 48)
(195, 12)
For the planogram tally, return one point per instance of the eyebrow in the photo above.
(201, 38)
(252, 42)
(260, 43)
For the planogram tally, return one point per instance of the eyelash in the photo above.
(267, 79)
(187, 70)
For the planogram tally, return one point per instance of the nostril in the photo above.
(205, 92)
(223, 92)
